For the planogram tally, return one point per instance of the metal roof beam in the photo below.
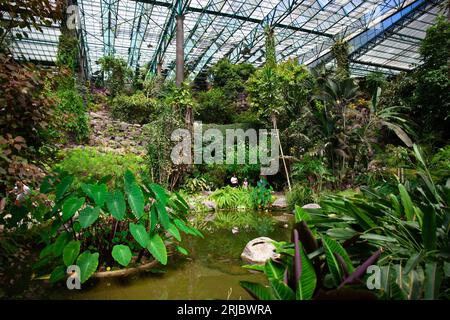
(373, 64)
(178, 7)
(371, 39)
(109, 11)
(362, 40)
(140, 24)
(223, 36)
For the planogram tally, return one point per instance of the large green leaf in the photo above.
(58, 274)
(257, 290)
(116, 205)
(136, 200)
(158, 249)
(63, 186)
(159, 192)
(281, 291)
(98, 193)
(429, 229)
(153, 218)
(60, 243)
(163, 216)
(433, 279)
(174, 231)
(128, 179)
(47, 251)
(301, 214)
(71, 252)
(363, 219)
(88, 263)
(406, 202)
(122, 254)
(308, 279)
(70, 206)
(140, 234)
(88, 216)
(331, 247)
(181, 250)
(273, 270)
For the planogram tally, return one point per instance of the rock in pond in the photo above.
(311, 206)
(259, 250)
(209, 204)
(280, 203)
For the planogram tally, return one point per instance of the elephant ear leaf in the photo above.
(70, 252)
(139, 234)
(136, 199)
(122, 254)
(88, 263)
(70, 206)
(158, 249)
(331, 247)
(117, 205)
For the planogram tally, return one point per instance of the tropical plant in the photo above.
(300, 195)
(195, 185)
(231, 198)
(261, 195)
(159, 146)
(116, 72)
(340, 53)
(307, 271)
(93, 227)
(89, 164)
(311, 170)
(134, 109)
(214, 107)
(411, 224)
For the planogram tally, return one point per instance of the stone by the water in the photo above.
(259, 250)
(312, 206)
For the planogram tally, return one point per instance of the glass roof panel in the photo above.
(380, 33)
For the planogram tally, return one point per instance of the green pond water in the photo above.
(212, 271)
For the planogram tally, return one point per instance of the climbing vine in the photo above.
(271, 60)
(340, 53)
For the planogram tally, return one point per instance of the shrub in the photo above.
(72, 114)
(89, 164)
(214, 107)
(25, 114)
(231, 198)
(299, 195)
(134, 109)
(118, 74)
(261, 195)
(159, 147)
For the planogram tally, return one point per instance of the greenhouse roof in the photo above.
(383, 35)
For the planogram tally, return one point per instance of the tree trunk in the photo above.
(275, 127)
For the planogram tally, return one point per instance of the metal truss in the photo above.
(383, 35)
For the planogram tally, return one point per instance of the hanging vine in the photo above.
(340, 53)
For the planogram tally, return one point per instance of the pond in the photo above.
(212, 270)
